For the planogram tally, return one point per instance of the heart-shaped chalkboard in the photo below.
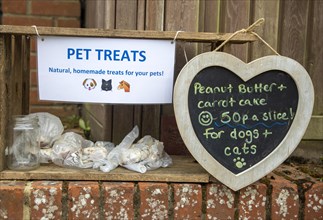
(240, 121)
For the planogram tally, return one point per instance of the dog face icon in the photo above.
(89, 84)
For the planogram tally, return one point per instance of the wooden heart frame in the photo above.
(245, 71)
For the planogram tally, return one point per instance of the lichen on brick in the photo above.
(3, 214)
(157, 208)
(117, 196)
(315, 202)
(187, 202)
(252, 199)
(46, 203)
(283, 204)
(222, 195)
(81, 203)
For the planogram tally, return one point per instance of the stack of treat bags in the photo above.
(72, 150)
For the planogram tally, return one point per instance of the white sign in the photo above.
(105, 70)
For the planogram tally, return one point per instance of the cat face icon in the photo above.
(106, 85)
(89, 84)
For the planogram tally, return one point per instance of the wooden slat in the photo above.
(293, 29)
(310, 150)
(5, 111)
(315, 129)
(155, 13)
(123, 115)
(269, 10)
(95, 8)
(181, 16)
(235, 16)
(184, 169)
(17, 77)
(99, 115)
(151, 113)
(25, 74)
(121, 33)
(141, 14)
(314, 63)
(209, 20)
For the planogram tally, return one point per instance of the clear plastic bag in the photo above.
(67, 150)
(113, 159)
(147, 154)
(72, 150)
(50, 128)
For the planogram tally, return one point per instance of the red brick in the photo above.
(15, 7)
(33, 97)
(219, 202)
(118, 200)
(153, 200)
(33, 61)
(11, 199)
(71, 23)
(187, 201)
(39, 104)
(83, 202)
(314, 202)
(56, 8)
(252, 202)
(33, 78)
(45, 200)
(33, 46)
(26, 20)
(285, 199)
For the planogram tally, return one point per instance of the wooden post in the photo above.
(5, 69)
(14, 84)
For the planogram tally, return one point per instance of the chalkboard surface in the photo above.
(240, 123)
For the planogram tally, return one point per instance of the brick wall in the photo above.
(277, 198)
(52, 13)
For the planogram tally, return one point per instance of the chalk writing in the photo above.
(240, 123)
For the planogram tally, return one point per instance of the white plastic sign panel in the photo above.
(240, 121)
(105, 70)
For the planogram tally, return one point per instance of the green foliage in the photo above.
(85, 126)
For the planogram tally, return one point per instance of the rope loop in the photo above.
(249, 30)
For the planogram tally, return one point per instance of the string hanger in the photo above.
(183, 47)
(36, 29)
(249, 30)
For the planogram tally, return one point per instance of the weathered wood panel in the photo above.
(151, 113)
(16, 77)
(314, 63)
(181, 16)
(186, 36)
(25, 57)
(184, 169)
(123, 115)
(5, 68)
(269, 10)
(293, 29)
(209, 21)
(235, 15)
(14, 84)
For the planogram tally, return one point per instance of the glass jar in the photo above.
(23, 143)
